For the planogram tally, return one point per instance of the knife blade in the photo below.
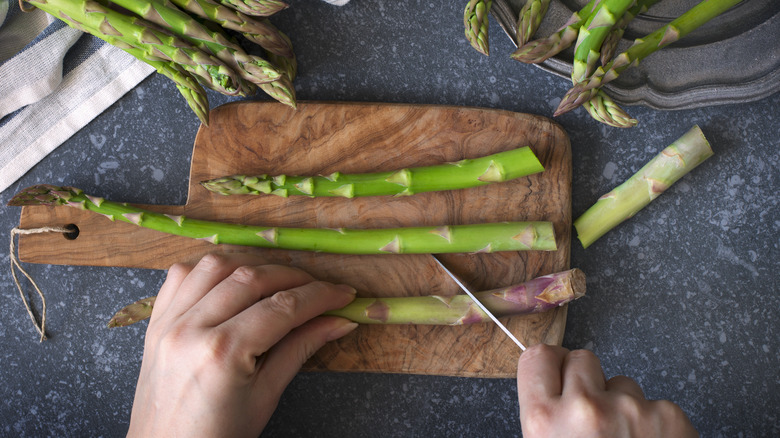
(478, 303)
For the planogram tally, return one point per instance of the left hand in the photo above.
(225, 338)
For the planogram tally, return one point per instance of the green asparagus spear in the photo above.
(476, 22)
(257, 8)
(164, 13)
(659, 174)
(537, 51)
(282, 90)
(643, 47)
(602, 108)
(592, 35)
(610, 44)
(502, 166)
(259, 31)
(535, 296)
(531, 15)
(486, 237)
(134, 31)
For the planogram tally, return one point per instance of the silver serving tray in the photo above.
(733, 58)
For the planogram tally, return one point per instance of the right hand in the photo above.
(564, 393)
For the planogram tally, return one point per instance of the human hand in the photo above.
(225, 338)
(565, 393)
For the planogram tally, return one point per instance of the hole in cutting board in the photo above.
(73, 232)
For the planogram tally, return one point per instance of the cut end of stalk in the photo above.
(563, 287)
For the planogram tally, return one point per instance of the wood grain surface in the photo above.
(319, 138)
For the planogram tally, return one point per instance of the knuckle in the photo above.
(669, 410)
(211, 262)
(539, 352)
(588, 411)
(178, 270)
(248, 275)
(284, 303)
(218, 347)
(536, 419)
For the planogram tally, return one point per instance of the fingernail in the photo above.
(342, 330)
(347, 289)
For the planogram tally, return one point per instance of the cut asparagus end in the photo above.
(648, 183)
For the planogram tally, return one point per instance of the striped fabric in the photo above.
(53, 81)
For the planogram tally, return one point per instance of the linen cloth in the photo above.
(53, 81)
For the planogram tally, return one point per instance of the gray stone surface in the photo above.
(683, 297)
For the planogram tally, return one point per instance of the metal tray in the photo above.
(733, 58)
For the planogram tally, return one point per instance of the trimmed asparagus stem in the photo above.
(648, 183)
(643, 47)
(476, 23)
(535, 296)
(499, 167)
(486, 237)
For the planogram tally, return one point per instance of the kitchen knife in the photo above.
(478, 303)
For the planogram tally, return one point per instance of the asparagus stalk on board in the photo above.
(134, 31)
(485, 237)
(535, 296)
(643, 47)
(648, 183)
(530, 17)
(537, 51)
(499, 167)
(476, 21)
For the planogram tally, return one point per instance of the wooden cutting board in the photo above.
(320, 138)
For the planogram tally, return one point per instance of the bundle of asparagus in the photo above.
(189, 42)
(595, 31)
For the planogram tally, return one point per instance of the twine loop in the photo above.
(39, 326)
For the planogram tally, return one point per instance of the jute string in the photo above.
(40, 326)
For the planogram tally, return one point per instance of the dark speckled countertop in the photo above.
(683, 297)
